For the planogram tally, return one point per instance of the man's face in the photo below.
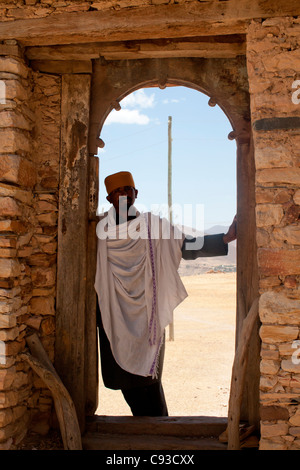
(122, 198)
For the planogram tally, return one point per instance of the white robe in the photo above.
(138, 287)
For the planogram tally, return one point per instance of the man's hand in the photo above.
(231, 234)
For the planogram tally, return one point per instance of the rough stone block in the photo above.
(42, 306)
(9, 207)
(273, 413)
(17, 170)
(295, 419)
(6, 416)
(7, 377)
(287, 60)
(12, 119)
(8, 321)
(267, 383)
(12, 65)
(290, 365)
(48, 326)
(297, 197)
(44, 277)
(9, 334)
(290, 234)
(276, 262)
(277, 308)
(271, 430)
(9, 268)
(14, 142)
(8, 399)
(9, 225)
(295, 431)
(279, 175)
(268, 214)
(278, 334)
(270, 157)
(7, 190)
(14, 90)
(48, 219)
(269, 367)
(14, 347)
(266, 444)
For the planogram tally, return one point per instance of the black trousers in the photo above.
(147, 401)
(144, 395)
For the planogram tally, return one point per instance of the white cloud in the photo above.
(127, 116)
(138, 99)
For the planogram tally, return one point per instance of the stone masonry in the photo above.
(274, 65)
(29, 129)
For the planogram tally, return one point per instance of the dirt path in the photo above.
(198, 362)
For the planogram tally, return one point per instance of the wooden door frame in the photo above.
(225, 82)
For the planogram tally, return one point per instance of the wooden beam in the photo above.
(206, 47)
(206, 51)
(62, 67)
(156, 21)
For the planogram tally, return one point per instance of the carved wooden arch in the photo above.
(225, 82)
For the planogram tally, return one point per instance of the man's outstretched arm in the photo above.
(210, 245)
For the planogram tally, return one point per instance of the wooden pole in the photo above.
(170, 168)
(171, 326)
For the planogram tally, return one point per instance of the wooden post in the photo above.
(170, 168)
(73, 239)
(171, 326)
(91, 341)
(238, 377)
(247, 271)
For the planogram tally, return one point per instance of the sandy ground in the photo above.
(198, 363)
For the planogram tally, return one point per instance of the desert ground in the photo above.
(198, 362)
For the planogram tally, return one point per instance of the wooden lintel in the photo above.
(62, 67)
(156, 21)
(215, 47)
(206, 51)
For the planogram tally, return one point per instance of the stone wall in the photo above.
(17, 179)
(42, 247)
(29, 153)
(20, 9)
(273, 66)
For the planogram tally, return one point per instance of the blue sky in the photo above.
(203, 159)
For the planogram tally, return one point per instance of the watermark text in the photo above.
(296, 93)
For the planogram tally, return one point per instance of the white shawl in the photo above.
(138, 287)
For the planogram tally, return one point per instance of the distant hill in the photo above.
(217, 229)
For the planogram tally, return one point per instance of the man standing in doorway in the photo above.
(138, 287)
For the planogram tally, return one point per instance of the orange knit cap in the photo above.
(117, 180)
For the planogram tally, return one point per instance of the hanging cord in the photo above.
(153, 319)
(152, 322)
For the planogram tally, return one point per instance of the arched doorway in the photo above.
(225, 82)
(197, 368)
